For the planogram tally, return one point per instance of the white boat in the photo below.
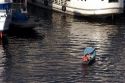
(5, 16)
(83, 7)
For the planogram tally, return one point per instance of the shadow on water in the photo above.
(39, 12)
(24, 33)
(108, 20)
(14, 49)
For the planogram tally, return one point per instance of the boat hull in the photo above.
(22, 25)
(28, 24)
(5, 16)
(86, 9)
(22, 20)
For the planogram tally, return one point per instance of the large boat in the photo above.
(83, 7)
(5, 16)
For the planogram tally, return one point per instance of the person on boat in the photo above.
(86, 57)
(88, 53)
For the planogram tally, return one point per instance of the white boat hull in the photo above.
(80, 7)
(5, 20)
(5, 15)
(105, 11)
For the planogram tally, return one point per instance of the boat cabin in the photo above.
(20, 5)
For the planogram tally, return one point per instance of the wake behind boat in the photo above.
(5, 16)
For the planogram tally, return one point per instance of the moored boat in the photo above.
(22, 20)
(89, 55)
(83, 7)
(5, 16)
(20, 16)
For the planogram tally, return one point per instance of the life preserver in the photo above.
(63, 8)
(45, 2)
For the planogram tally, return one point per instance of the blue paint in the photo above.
(18, 16)
(4, 6)
(89, 50)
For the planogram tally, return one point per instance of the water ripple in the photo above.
(52, 54)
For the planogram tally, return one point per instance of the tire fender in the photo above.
(63, 8)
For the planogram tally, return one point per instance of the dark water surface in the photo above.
(51, 52)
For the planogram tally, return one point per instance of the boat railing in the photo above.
(60, 2)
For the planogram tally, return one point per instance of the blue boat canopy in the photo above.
(4, 6)
(88, 50)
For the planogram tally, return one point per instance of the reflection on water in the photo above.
(51, 52)
(2, 62)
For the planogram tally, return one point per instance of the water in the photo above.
(51, 52)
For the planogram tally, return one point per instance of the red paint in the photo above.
(85, 58)
(1, 35)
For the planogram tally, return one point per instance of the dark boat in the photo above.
(20, 16)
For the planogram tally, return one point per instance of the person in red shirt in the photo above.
(86, 58)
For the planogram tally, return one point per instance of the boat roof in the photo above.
(88, 50)
(5, 5)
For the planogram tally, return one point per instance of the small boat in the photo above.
(20, 16)
(89, 55)
(5, 16)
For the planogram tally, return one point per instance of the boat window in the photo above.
(113, 0)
